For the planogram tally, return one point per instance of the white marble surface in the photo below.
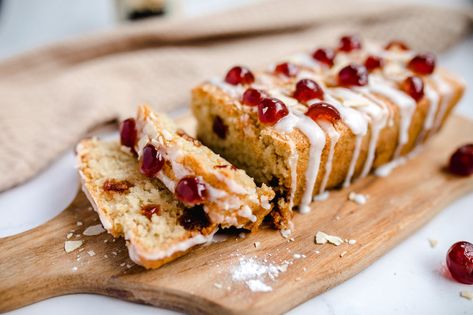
(407, 280)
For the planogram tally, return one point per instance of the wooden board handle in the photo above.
(33, 264)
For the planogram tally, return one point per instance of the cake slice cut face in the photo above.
(319, 120)
(158, 228)
(196, 175)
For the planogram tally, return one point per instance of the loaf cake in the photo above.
(195, 174)
(318, 120)
(158, 228)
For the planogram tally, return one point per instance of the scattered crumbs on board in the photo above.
(357, 198)
(79, 223)
(91, 253)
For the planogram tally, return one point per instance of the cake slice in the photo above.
(196, 175)
(319, 120)
(158, 228)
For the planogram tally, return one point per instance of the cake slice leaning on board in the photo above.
(158, 228)
(319, 120)
(195, 174)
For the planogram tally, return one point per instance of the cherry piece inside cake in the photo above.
(156, 225)
(197, 176)
(348, 110)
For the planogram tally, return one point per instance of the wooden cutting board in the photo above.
(34, 265)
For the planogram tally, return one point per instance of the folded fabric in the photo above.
(51, 97)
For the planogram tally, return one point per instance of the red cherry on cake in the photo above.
(219, 127)
(460, 262)
(373, 62)
(128, 133)
(422, 64)
(239, 75)
(461, 161)
(324, 55)
(306, 90)
(414, 86)
(252, 97)
(396, 44)
(287, 69)
(323, 111)
(151, 161)
(349, 43)
(271, 110)
(190, 190)
(353, 75)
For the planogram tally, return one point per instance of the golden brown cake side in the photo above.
(154, 223)
(228, 195)
(394, 124)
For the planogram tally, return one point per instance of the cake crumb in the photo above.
(94, 230)
(257, 244)
(218, 285)
(343, 253)
(79, 223)
(74, 269)
(337, 217)
(322, 238)
(297, 256)
(351, 242)
(357, 198)
(114, 253)
(105, 256)
(467, 294)
(122, 264)
(298, 279)
(433, 242)
(317, 252)
(70, 246)
(128, 266)
(285, 233)
(69, 235)
(91, 253)
(242, 235)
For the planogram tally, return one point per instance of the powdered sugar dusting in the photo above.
(256, 274)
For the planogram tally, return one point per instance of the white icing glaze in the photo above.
(316, 138)
(406, 105)
(233, 90)
(334, 135)
(354, 159)
(446, 91)
(293, 158)
(138, 254)
(434, 99)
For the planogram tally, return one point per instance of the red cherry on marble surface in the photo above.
(460, 262)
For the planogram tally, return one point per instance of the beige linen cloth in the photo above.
(49, 98)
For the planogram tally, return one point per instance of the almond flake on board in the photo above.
(70, 246)
(94, 230)
(323, 238)
(433, 242)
